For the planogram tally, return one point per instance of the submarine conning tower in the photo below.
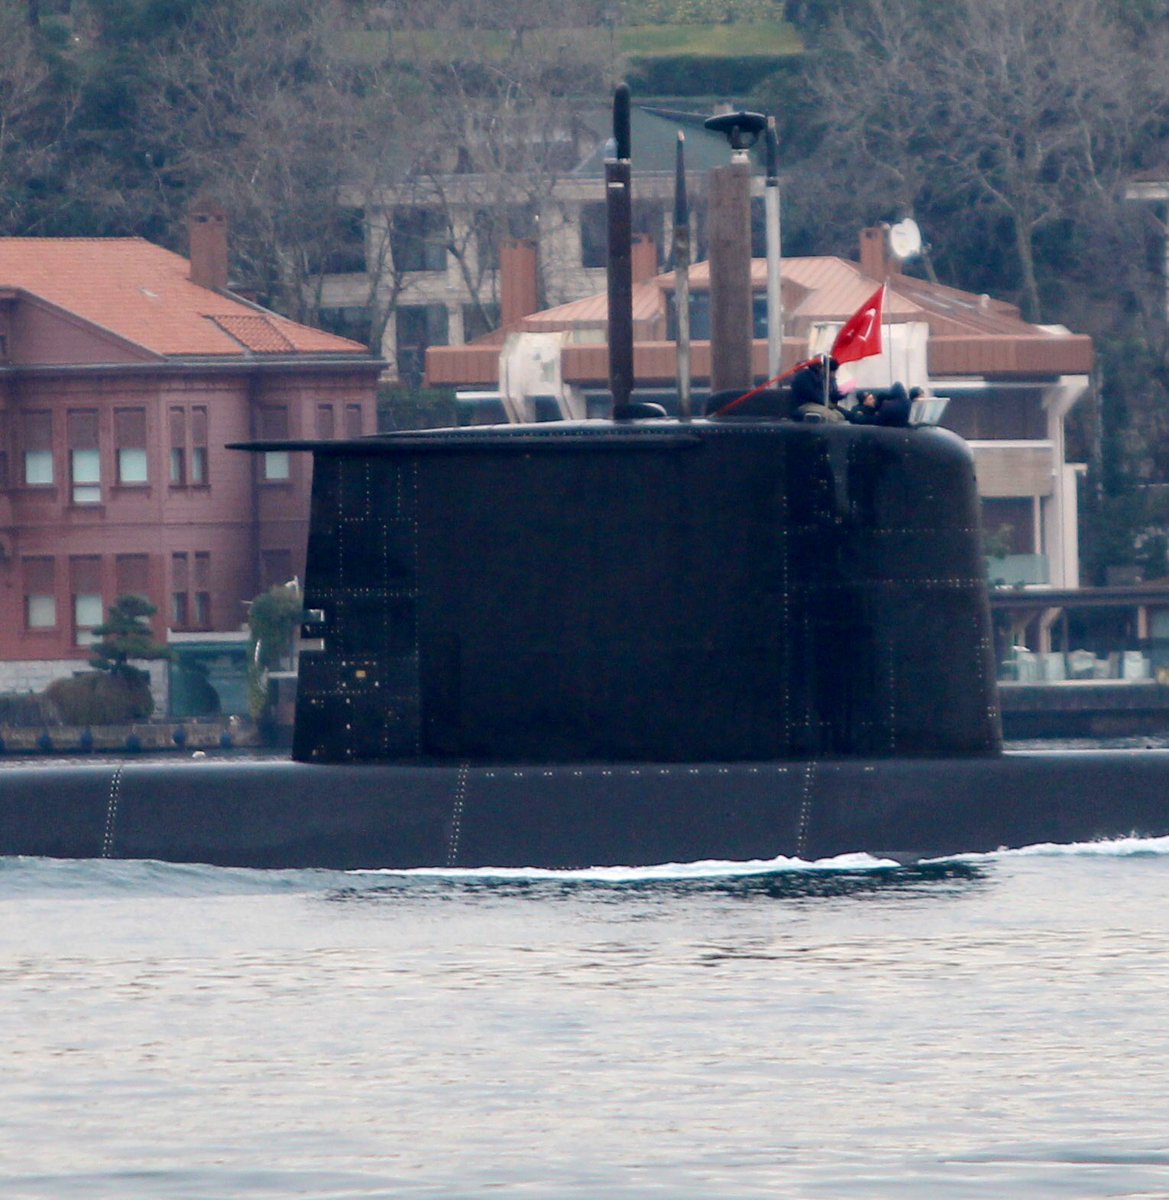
(650, 591)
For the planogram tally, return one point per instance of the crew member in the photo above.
(889, 406)
(809, 393)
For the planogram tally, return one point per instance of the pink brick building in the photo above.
(124, 372)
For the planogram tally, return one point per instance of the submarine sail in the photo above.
(622, 642)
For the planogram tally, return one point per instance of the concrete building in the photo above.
(125, 371)
(1010, 384)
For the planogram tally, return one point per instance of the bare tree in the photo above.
(36, 115)
(255, 108)
(1019, 111)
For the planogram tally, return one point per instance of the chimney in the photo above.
(645, 257)
(517, 281)
(207, 233)
(876, 261)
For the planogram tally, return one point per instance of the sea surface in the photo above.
(989, 1026)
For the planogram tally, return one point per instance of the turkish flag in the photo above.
(860, 335)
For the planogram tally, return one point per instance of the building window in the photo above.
(130, 442)
(326, 422)
(88, 609)
(202, 581)
(417, 327)
(353, 420)
(40, 593)
(38, 448)
(199, 476)
(179, 584)
(479, 319)
(84, 456)
(418, 239)
(86, 471)
(132, 575)
(345, 255)
(274, 428)
(350, 321)
(275, 568)
(646, 217)
(277, 468)
(178, 447)
(188, 463)
(490, 227)
(594, 234)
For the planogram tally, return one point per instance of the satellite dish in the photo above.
(905, 239)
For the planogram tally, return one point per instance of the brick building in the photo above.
(125, 370)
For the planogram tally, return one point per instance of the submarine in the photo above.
(625, 641)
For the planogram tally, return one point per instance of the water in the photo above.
(983, 1027)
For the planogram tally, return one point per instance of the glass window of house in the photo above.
(479, 319)
(199, 465)
(348, 320)
(594, 234)
(275, 568)
(88, 610)
(274, 427)
(418, 239)
(132, 575)
(202, 581)
(326, 421)
(178, 446)
(130, 441)
(84, 456)
(38, 448)
(179, 584)
(418, 326)
(344, 252)
(40, 593)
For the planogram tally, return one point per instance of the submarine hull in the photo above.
(287, 814)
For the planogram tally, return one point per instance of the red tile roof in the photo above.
(818, 289)
(969, 334)
(142, 294)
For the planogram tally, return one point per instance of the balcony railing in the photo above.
(1018, 570)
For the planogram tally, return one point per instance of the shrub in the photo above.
(27, 709)
(99, 698)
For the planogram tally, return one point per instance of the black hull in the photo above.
(286, 814)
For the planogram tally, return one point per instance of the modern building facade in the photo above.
(125, 371)
(425, 264)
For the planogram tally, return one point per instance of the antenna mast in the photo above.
(619, 208)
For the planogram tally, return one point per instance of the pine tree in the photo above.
(126, 635)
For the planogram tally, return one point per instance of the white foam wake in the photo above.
(705, 869)
(1122, 847)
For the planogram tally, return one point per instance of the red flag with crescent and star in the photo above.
(860, 335)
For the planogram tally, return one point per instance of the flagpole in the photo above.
(888, 328)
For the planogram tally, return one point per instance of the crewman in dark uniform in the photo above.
(889, 406)
(808, 392)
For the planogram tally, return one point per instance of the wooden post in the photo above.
(774, 255)
(731, 322)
